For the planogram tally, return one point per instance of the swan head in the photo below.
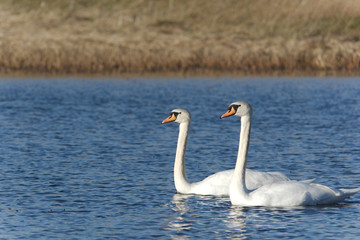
(178, 115)
(238, 109)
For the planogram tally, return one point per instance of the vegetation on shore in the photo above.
(164, 36)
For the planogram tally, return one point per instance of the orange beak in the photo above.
(229, 113)
(171, 118)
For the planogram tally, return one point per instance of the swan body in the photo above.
(218, 183)
(291, 193)
(277, 194)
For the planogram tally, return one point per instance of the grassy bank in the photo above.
(168, 36)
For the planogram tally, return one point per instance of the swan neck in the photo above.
(181, 183)
(238, 186)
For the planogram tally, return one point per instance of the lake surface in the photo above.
(89, 159)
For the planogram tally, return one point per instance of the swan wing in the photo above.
(216, 184)
(255, 179)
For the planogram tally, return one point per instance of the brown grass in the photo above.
(118, 37)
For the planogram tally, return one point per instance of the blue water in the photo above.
(89, 159)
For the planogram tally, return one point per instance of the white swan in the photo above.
(280, 194)
(218, 183)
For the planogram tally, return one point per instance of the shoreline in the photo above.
(181, 75)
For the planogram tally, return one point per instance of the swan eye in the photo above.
(175, 114)
(234, 106)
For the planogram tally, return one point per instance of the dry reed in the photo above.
(251, 37)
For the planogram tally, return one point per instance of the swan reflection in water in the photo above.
(242, 222)
(236, 218)
(181, 203)
(190, 211)
(179, 224)
(182, 224)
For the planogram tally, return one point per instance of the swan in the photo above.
(277, 194)
(218, 183)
